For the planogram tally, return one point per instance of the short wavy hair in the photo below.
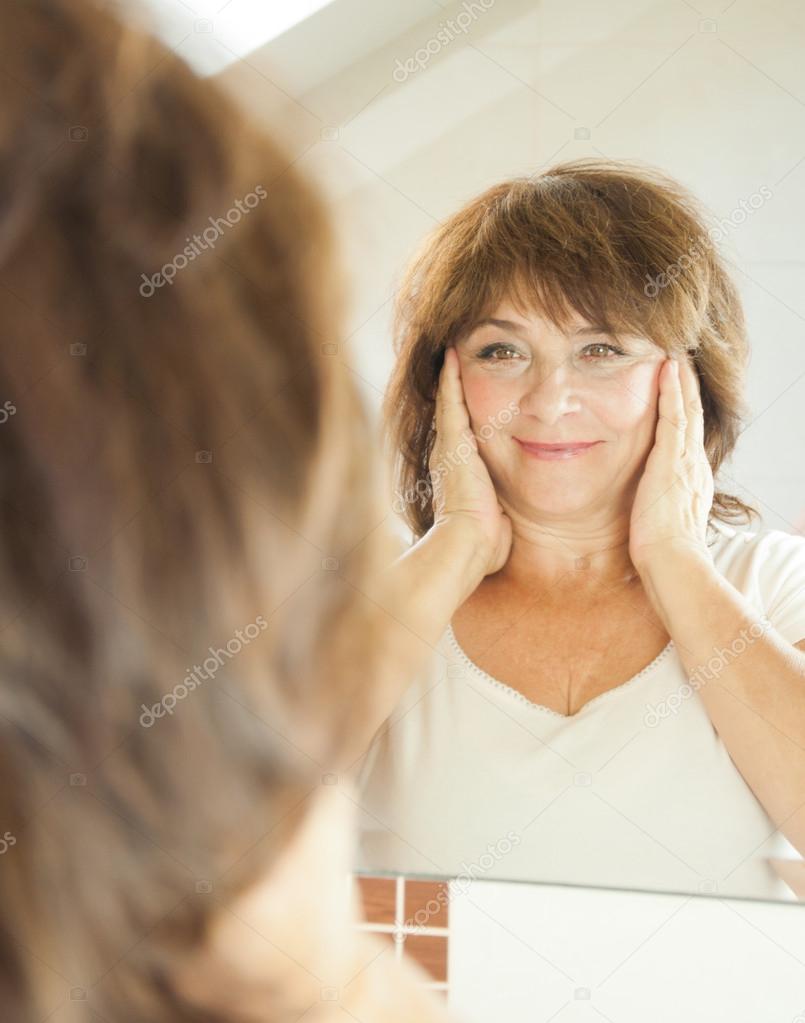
(618, 242)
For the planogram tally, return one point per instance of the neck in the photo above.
(563, 555)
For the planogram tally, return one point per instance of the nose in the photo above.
(552, 390)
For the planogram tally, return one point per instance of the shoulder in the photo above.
(768, 567)
(766, 550)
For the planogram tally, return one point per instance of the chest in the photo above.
(561, 658)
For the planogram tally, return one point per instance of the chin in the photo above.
(532, 507)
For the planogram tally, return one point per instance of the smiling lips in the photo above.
(553, 452)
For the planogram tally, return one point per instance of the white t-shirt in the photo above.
(471, 777)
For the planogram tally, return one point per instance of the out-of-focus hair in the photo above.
(184, 467)
(618, 242)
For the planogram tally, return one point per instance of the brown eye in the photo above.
(612, 348)
(490, 353)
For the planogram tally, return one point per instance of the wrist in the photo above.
(668, 578)
(675, 557)
(462, 544)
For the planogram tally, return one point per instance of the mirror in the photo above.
(573, 724)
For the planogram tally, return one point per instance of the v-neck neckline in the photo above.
(516, 694)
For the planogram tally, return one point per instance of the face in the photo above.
(569, 387)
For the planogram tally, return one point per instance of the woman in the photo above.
(605, 695)
(182, 668)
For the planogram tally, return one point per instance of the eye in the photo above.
(612, 348)
(489, 354)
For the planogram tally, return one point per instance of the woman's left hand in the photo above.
(675, 493)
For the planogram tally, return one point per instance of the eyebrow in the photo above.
(518, 328)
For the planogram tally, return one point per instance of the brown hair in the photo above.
(606, 239)
(185, 471)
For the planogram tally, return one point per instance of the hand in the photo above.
(675, 493)
(462, 487)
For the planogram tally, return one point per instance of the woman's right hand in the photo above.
(422, 589)
(463, 492)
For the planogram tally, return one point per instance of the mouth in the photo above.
(553, 452)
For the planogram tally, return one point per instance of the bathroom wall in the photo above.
(403, 112)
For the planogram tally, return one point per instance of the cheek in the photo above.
(629, 408)
(625, 405)
(485, 396)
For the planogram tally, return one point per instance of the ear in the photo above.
(293, 933)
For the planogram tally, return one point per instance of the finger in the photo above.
(671, 425)
(440, 386)
(452, 417)
(691, 392)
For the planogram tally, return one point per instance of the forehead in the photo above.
(532, 322)
(533, 316)
(506, 309)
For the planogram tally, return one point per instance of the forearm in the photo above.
(751, 681)
(419, 593)
(425, 587)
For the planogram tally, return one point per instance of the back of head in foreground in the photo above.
(180, 458)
